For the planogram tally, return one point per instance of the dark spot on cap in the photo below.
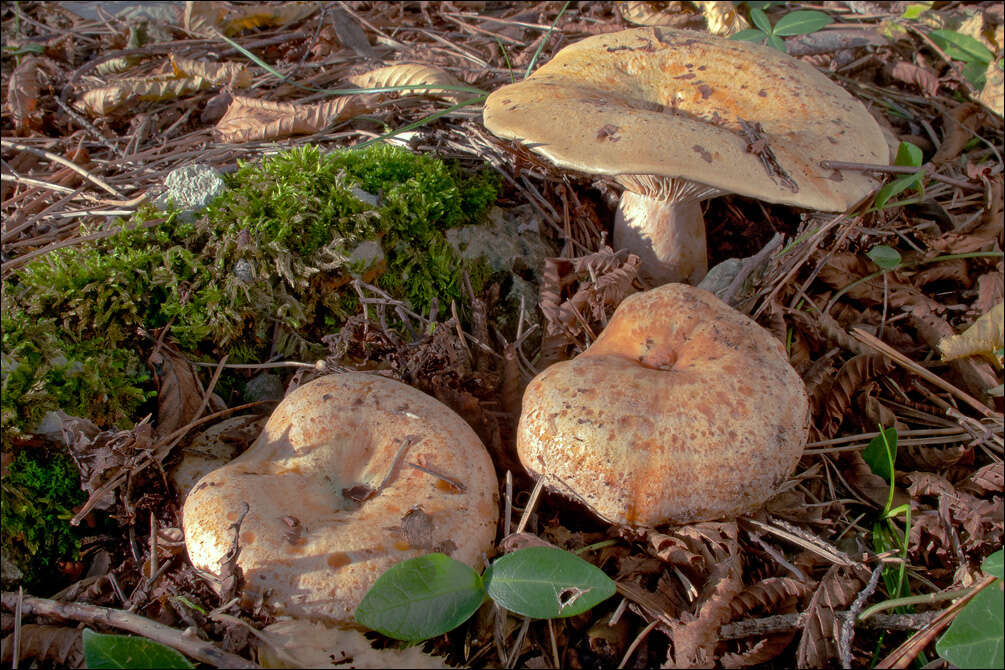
(762, 93)
(704, 153)
(705, 90)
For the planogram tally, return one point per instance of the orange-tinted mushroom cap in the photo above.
(678, 116)
(352, 473)
(682, 410)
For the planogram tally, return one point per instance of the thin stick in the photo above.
(637, 641)
(92, 614)
(531, 504)
(62, 161)
(872, 341)
(928, 169)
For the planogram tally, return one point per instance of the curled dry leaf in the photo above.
(722, 18)
(832, 402)
(837, 590)
(774, 595)
(962, 124)
(844, 268)
(695, 636)
(22, 93)
(107, 99)
(204, 18)
(58, 646)
(179, 394)
(989, 479)
(909, 73)
(251, 119)
(763, 651)
(984, 337)
(411, 74)
(233, 74)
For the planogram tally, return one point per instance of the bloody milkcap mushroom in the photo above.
(351, 474)
(678, 116)
(682, 410)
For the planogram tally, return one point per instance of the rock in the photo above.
(190, 188)
(264, 386)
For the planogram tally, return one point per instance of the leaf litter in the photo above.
(687, 594)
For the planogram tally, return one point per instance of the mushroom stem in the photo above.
(667, 236)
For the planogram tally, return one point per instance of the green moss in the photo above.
(44, 368)
(271, 251)
(39, 492)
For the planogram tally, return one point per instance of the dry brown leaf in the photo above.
(411, 74)
(251, 119)
(928, 484)
(774, 595)
(234, 74)
(844, 268)
(962, 124)
(975, 373)
(837, 590)
(868, 484)
(955, 271)
(107, 99)
(924, 79)
(204, 18)
(22, 93)
(993, 94)
(984, 337)
(990, 290)
(989, 479)
(933, 458)
(57, 646)
(763, 651)
(179, 394)
(653, 13)
(722, 18)
(834, 401)
(695, 636)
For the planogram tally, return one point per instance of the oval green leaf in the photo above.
(908, 155)
(547, 583)
(887, 258)
(803, 22)
(961, 47)
(992, 565)
(421, 598)
(896, 186)
(129, 651)
(975, 638)
(749, 35)
(760, 20)
(881, 454)
(777, 42)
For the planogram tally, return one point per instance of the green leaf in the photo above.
(128, 651)
(749, 35)
(961, 47)
(976, 73)
(803, 22)
(916, 9)
(908, 155)
(975, 638)
(547, 583)
(776, 42)
(881, 453)
(993, 564)
(760, 19)
(896, 186)
(887, 258)
(421, 598)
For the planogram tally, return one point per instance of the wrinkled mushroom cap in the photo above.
(682, 410)
(320, 528)
(669, 103)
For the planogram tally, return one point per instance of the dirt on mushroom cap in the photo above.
(675, 103)
(682, 410)
(334, 484)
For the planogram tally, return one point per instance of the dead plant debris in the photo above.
(98, 109)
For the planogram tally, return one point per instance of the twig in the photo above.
(92, 614)
(62, 161)
(848, 618)
(927, 168)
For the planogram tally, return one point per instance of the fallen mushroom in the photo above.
(677, 117)
(682, 410)
(352, 473)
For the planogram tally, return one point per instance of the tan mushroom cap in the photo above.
(307, 545)
(682, 410)
(669, 103)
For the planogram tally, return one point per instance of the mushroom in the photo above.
(676, 117)
(352, 473)
(682, 410)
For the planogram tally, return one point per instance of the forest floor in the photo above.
(97, 112)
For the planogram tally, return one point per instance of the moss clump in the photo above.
(273, 250)
(39, 492)
(44, 368)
